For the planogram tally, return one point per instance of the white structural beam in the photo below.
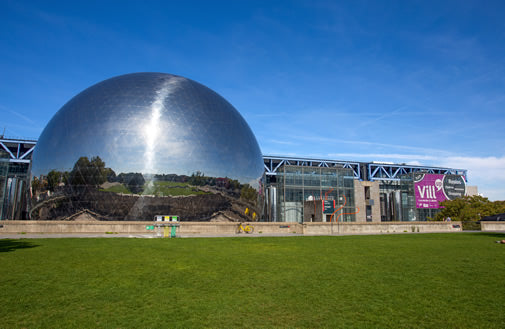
(19, 150)
(374, 171)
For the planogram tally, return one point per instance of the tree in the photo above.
(248, 193)
(133, 181)
(111, 175)
(234, 184)
(136, 183)
(36, 185)
(90, 173)
(54, 178)
(78, 175)
(197, 179)
(469, 208)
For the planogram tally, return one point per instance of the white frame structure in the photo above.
(370, 171)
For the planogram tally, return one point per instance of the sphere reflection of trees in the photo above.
(91, 182)
(89, 173)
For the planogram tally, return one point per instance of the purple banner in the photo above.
(431, 189)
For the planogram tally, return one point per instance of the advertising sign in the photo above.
(328, 206)
(430, 189)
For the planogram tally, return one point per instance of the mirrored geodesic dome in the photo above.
(145, 144)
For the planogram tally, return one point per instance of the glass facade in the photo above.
(398, 201)
(4, 168)
(308, 194)
(146, 144)
(15, 155)
(14, 182)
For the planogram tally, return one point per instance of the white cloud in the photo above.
(331, 142)
(486, 168)
(414, 163)
(283, 142)
(410, 158)
(488, 173)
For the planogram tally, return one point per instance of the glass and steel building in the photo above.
(15, 157)
(308, 194)
(319, 190)
(145, 144)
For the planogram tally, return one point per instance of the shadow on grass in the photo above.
(11, 245)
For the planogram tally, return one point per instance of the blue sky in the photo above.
(419, 82)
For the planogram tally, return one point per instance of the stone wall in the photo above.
(51, 226)
(229, 228)
(361, 201)
(378, 228)
(492, 226)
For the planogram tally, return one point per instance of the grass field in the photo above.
(159, 188)
(171, 188)
(422, 280)
(117, 189)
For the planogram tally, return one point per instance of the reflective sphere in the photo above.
(148, 144)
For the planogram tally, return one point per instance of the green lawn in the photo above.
(162, 188)
(403, 281)
(117, 189)
(159, 188)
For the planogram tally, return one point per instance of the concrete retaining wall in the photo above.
(34, 226)
(390, 227)
(492, 226)
(231, 228)
(225, 228)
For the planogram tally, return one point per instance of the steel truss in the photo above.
(373, 171)
(20, 151)
(396, 171)
(272, 163)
